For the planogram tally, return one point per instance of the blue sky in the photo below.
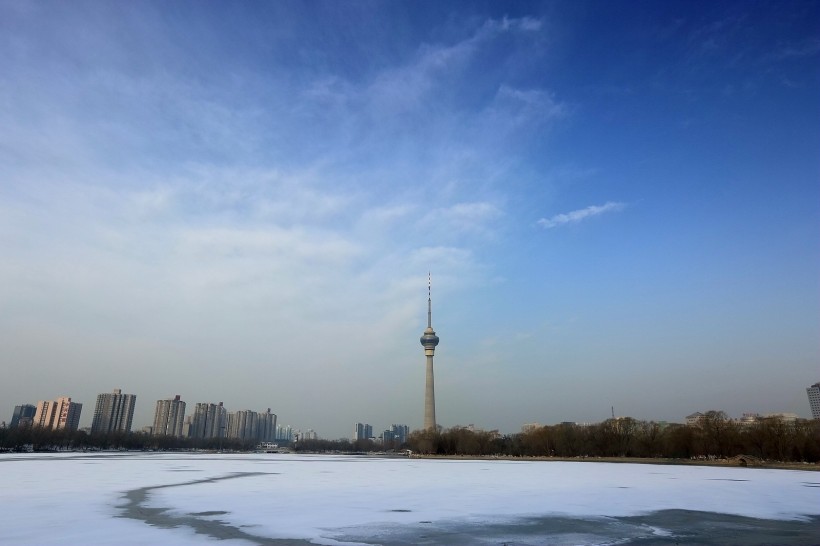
(240, 202)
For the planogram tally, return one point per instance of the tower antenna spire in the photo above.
(429, 301)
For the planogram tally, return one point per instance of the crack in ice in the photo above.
(135, 508)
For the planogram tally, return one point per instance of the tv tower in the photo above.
(429, 340)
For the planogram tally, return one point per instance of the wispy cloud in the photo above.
(515, 107)
(579, 215)
(407, 85)
(464, 218)
(806, 48)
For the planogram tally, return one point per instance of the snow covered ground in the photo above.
(176, 499)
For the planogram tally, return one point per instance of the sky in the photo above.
(618, 204)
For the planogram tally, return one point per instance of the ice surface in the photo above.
(196, 498)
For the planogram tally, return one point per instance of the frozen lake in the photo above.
(178, 499)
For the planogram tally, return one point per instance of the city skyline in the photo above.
(170, 419)
(619, 202)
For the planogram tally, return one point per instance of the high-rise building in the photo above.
(400, 432)
(113, 412)
(266, 426)
(209, 421)
(284, 433)
(429, 340)
(362, 431)
(23, 415)
(60, 414)
(814, 400)
(395, 435)
(242, 425)
(187, 425)
(169, 417)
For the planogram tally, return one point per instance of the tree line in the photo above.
(715, 436)
(32, 438)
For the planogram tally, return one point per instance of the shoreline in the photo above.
(750, 461)
(733, 462)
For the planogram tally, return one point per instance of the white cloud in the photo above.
(525, 24)
(579, 215)
(464, 218)
(385, 217)
(530, 24)
(153, 201)
(406, 86)
(288, 244)
(514, 107)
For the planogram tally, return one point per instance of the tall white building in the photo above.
(169, 417)
(814, 400)
(113, 412)
(58, 414)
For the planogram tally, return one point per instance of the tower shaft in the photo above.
(429, 397)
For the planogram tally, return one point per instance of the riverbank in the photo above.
(750, 462)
